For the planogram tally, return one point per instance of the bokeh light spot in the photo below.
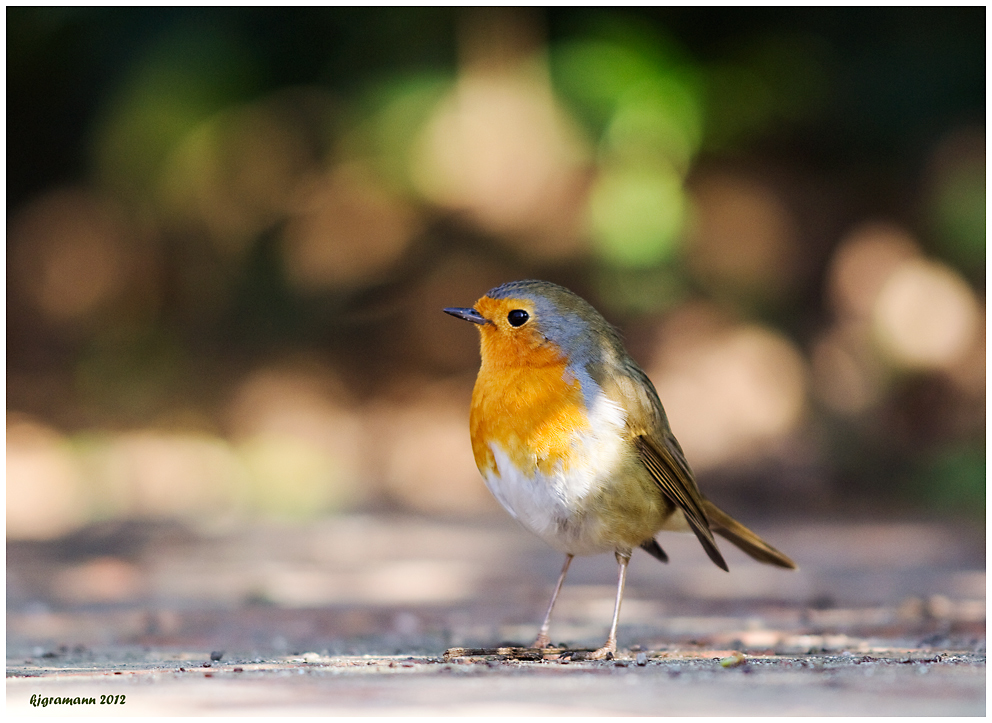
(155, 474)
(848, 378)
(301, 446)
(101, 580)
(499, 148)
(635, 89)
(44, 482)
(731, 392)
(636, 214)
(349, 228)
(292, 478)
(400, 110)
(71, 253)
(239, 172)
(862, 264)
(744, 239)
(925, 315)
(656, 118)
(428, 462)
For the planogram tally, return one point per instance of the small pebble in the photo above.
(732, 661)
(642, 659)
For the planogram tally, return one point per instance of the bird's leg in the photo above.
(543, 641)
(610, 649)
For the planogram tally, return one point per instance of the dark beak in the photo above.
(468, 315)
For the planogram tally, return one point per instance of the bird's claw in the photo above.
(543, 641)
(607, 652)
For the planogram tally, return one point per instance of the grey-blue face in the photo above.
(565, 319)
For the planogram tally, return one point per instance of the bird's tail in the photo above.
(727, 527)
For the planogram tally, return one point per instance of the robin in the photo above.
(571, 438)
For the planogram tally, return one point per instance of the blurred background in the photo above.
(230, 234)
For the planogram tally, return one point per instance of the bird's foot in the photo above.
(543, 641)
(607, 652)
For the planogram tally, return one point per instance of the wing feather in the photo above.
(676, 483)
(656, 446)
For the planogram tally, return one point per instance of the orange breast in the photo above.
(523, 402)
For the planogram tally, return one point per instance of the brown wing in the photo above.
(664, 459)
(660, 451)
(675, 482)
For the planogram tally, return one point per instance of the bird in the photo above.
(571, 438)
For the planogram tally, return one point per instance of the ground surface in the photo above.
(354, 615)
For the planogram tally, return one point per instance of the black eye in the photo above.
(517, 317)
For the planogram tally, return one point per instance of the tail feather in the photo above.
(727, 527)
(654, 549)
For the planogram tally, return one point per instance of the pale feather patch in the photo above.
(676, 522)
(552, 505)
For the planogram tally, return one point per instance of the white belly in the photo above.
(555, 505)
